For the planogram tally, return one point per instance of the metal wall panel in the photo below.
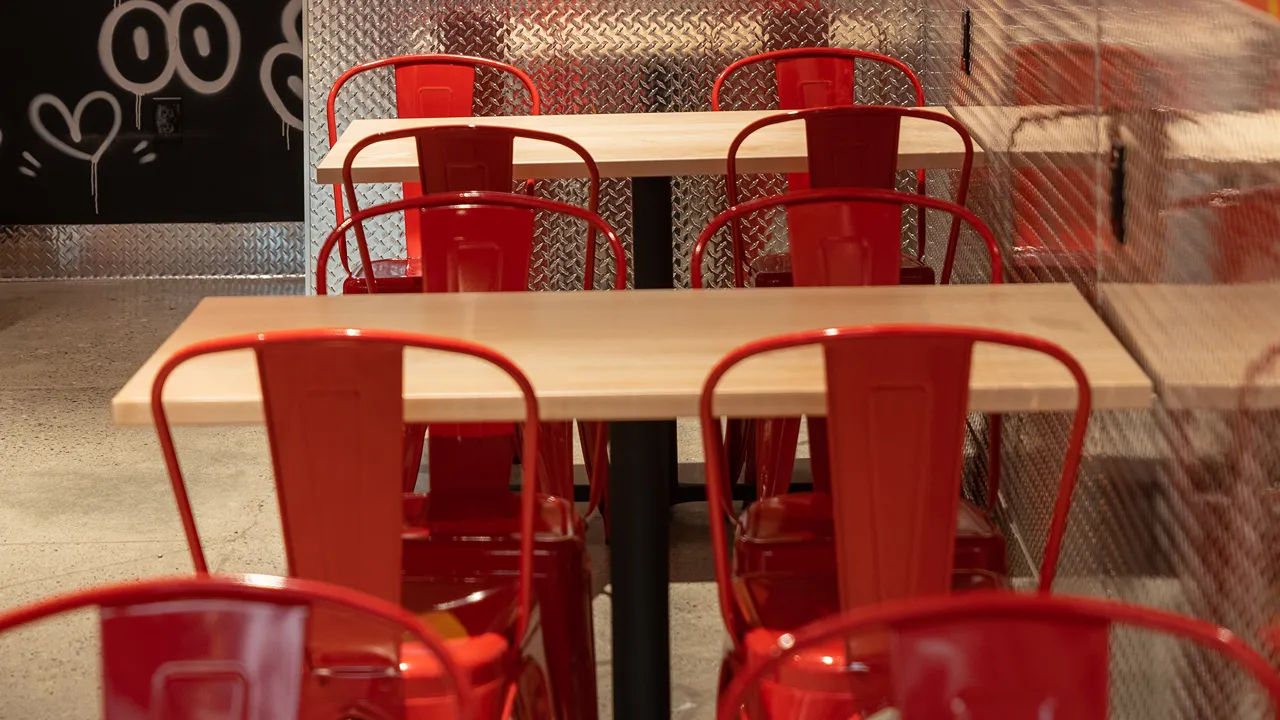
(162, 250)
(598, 57)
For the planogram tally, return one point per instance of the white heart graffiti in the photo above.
(141, 44)
(291, 46)
(73, 121)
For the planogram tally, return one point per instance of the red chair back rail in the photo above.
(851, 147)
(852, 252)
(455, 158)
(427, 86)
(822, 77)
(814, 77)
(462, 202)
(175, 647)
(333, 402)
(996, 655)
(890, 390)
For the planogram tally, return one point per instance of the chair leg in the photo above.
(993, 463)
(594, 437)
(555, 459)
(776, 440)
(819, 454)
(414, 438)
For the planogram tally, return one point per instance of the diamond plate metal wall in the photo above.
(163, 250)
(599, 57)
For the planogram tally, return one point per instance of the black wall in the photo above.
(214, 145)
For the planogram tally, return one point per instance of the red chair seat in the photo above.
(556, 518)
(781, 532)
(774, 270)
(395, 275)
(785, 558)
(786, 600)
(468, 566)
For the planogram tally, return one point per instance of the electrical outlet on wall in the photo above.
(167, 115)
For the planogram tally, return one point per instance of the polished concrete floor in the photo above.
(84, 503)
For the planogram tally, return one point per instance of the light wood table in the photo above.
(1054, 136)
(1199, 340)
(644, 355)
(634, 145)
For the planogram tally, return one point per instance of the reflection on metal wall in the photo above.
(597, 57)
(161, 250)
(1183, 97)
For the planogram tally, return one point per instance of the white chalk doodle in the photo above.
(292, 45)
(75, 130)
(143, 159)
(171, 43)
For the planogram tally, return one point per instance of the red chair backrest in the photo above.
(1055, 209)
(1244, 237)
(891, 391)
(814, 77)
(996, 655)
(427, 86)
(468, 230)
(333, 404)
(235, 646)
(848, 147)
(457, 158)
(855, 245)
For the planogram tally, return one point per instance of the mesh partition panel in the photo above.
(614, 56)
(1135, 143)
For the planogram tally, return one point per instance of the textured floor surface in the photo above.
(84, 503)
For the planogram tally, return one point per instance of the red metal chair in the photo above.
(456, 158)
(814, 77)
(809, 78)
(427, 86)
(478, 158)
(333, 404)
(246, 646)
(981, 656)
(854, 241)
(484, 241)
(1247, 223)
(847, 147)
(891, 526)
(1055, 209)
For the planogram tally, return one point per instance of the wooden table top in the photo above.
(1198, 340)
(636, 145)
(644, 354)
(1048, 135)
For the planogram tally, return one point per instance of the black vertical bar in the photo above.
(966, 47)
(651, 221)
(653, 256)
(638, 512)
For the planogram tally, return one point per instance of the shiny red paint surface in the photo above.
(985, 656)
(893, 525)
(427, 86)
(345, 518)
(244, 646)
(856, 248)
